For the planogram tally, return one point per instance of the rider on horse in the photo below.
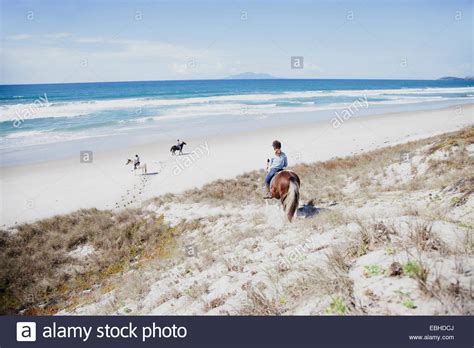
(136, 162)
(277, 164)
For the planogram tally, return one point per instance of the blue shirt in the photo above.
(279, 162)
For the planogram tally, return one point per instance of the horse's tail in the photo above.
(292, 199)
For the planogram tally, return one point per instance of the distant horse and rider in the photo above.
(282, 184)
(137, 164)
(177, 148)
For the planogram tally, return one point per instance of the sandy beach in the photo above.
(30, 192)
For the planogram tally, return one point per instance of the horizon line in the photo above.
(236, 79)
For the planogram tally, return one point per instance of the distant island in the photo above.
(453, 78)
(251, 76)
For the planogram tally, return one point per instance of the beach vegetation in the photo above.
(41, 264)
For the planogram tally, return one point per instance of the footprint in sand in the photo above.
(133, 195)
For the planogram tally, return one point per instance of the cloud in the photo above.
(57, 35)
(112, 60)
(117, 48)
(313, 67)
(90, 40)
(180, 68)
(19, 37)
(156, 49)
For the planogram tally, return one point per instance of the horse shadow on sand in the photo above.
(309, 210)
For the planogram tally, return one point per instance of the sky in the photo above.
(91, 41)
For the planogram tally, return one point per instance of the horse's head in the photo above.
(183, 143)
(128, 161)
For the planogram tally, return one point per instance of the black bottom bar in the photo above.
(110, 331)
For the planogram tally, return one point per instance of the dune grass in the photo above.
(39, 268)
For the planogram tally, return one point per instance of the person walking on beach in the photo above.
(275, 165)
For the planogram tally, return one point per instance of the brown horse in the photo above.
(285, 186)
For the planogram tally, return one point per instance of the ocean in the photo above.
(52, 121)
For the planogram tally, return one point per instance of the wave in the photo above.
(23, 134)
(266, 109)
(29, 138)
(85, 130)
(135, 105)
